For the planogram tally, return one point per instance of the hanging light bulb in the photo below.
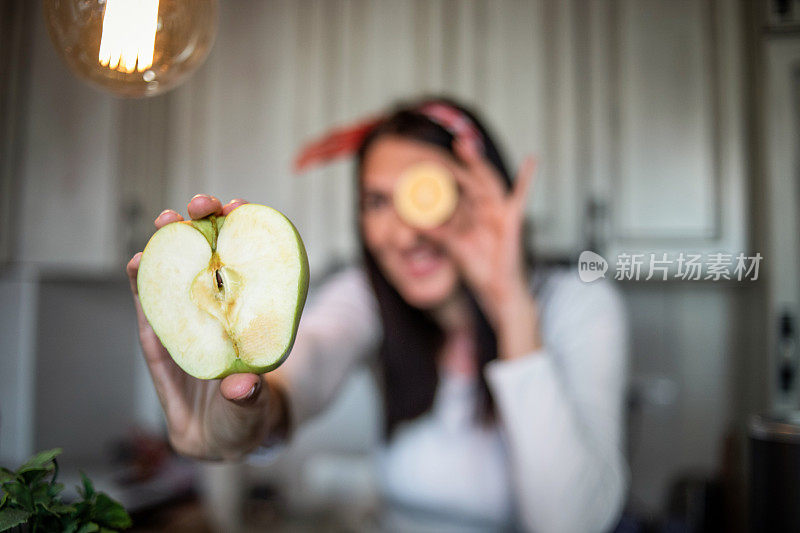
(132, 48)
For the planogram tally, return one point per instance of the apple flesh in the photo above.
(225, 294)
(426, 195)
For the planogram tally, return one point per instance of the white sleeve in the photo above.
(339, 327)
(562, 411)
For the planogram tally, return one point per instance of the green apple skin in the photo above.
(238, 366)
(210, 228)
(301, 302)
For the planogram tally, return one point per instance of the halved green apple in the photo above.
(426, 195)
(225, 294)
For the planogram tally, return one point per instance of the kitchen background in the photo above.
(659, 125)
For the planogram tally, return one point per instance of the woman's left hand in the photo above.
(484, 236)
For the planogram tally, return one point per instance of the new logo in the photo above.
(591, 266)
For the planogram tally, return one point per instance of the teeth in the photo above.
(421, 257)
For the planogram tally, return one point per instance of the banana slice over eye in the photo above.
(426, 195)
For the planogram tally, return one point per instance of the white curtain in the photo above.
(284, 71)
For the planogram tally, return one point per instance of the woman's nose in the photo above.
(403, 234)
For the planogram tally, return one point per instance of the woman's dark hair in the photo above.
(411, 339)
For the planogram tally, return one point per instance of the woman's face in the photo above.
(421, 271)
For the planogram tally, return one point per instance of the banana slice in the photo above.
(426, 195)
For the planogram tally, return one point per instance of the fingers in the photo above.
(242, 389)
(468, 152)
(132, 270)
(200, 206)
(233, 204)
(167, 216)
(481, 179)
(203, 205)
(523, 183)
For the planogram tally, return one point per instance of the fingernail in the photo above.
(163, 213)
(250, 393)
(236, 200)
(200, 195)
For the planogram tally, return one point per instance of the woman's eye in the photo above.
(375, 201)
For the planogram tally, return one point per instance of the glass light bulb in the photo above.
(132, 48)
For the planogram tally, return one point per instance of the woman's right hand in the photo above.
(209, 419)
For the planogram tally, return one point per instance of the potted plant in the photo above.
(30, 501)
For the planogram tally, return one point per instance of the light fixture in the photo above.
(132, 48)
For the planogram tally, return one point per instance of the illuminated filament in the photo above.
(129, 35)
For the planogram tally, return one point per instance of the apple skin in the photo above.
(301, 302)
(239, 366)
(210, 227)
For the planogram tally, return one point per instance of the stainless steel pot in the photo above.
(775, 473)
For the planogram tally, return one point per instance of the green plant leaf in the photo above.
(40, 461)
(88, 528)
(31, 477)
(88, 488)
(69, 524)
(54, 489)
(83, 511)
(109, 512)
(59, 508)
(53, 506)
(55, 470)
(40, 493)
(6, 475)
(19, 494)
(27, 496)
(12, 517)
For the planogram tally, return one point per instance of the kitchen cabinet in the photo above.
(633, 108)
(779, 134)
(664, 126)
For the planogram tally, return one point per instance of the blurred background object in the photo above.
(775, 476)
(659, 125)
(132, 47)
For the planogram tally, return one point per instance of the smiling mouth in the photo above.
(421, 261)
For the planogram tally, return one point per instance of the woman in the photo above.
(502, 385)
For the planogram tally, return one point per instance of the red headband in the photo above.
(344, 141)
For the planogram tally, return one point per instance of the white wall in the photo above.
(69, 166)
(18, 308)
(684, 353)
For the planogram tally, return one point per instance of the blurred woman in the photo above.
(502, 383)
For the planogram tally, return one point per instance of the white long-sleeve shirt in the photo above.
(552, 463)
